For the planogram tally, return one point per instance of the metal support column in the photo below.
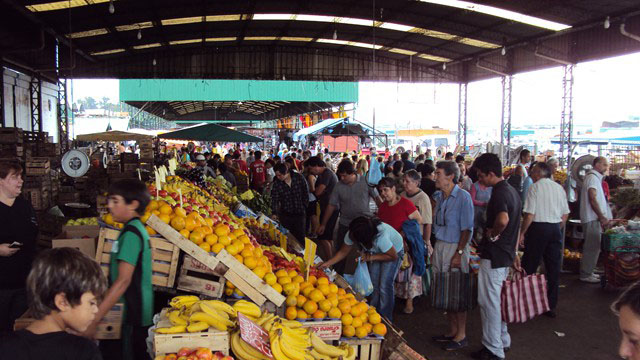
(2, 94)
(63, 116)
(566, 119)
(35, 89)
(505, 125)
(462, 115)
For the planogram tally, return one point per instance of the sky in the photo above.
(604, 90)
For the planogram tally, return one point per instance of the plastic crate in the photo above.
(620, 242)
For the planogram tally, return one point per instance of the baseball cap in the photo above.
(200, 158)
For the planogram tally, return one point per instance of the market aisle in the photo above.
(590, 328)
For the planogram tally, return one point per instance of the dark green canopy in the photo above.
(210, 132)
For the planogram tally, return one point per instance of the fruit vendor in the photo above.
(17, 243)
(381, 246)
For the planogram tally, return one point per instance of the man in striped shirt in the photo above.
(545, 212)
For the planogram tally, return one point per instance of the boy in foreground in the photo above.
(129, 269)
(63, 287)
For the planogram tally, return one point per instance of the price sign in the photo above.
(254, 335)
(309, 254)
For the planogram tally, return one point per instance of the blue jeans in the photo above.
(383, 275)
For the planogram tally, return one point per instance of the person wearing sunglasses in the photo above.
(453, 226)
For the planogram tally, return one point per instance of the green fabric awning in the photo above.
(210, 132)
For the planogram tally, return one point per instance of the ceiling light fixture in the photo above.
(112, 8)
(607, 23)
(154, 62)
(335, 34)
(503, 51)
(444, 66)
(139, 36)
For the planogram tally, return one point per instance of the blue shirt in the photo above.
(387, 237)
(452, 215)
(528, 181)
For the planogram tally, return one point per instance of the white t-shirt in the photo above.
(593, 180)
(547, 200)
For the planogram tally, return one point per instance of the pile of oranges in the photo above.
(320, 299)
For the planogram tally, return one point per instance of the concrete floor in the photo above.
(590, 328)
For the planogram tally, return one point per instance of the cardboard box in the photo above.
(85, 246)
(108, 329)
(81, 231)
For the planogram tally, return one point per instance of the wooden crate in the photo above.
(164, 256)
(108, 329)
(38, 166)
(366, 349)
(39, 198)
(196, 278)
(12, 150)
(11, 136)
(233, 270)
(213, 339)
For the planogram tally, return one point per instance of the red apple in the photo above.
(188, 209)
(206, 207)
(193, 201)
(204, 354)
(185, 351)
(162, 193)
(175, 196)
(218, 355)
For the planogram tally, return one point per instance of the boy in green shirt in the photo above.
(130, 268)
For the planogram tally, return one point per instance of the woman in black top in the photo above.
(19, 225)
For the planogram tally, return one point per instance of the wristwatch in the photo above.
(460, 252)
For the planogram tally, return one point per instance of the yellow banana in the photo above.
(276, 350)
(247, 308)
(197, 327)
(326, 349)
(172, 330)
(264, 318)
(180, 301)
(238, 351)
(268, 325)
(296, 338)
(212, 321)
(245, 350)
(213, 312)
(317, 356)
(291, 324)
(176, 319)
(351, 352)
(222, 306)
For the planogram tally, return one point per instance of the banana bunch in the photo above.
(243, 351)
(248, 309)
(190, 314)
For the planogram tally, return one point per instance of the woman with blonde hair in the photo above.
(362, 167)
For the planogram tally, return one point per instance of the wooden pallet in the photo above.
(164, 256)
(38, 166)
(366, 348)
(213, 339)
(11, 136)
(233, 270)
(196, 278)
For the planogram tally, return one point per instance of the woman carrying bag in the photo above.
(381, 246)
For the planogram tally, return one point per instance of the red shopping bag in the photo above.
(523, 297)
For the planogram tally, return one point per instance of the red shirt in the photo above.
(397, 214)
(298, 164)
(257, 172)
(242, 165)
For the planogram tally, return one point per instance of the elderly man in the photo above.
(545, 212)
(497, 253)
(595, 214)
(453, 227)
(201, 162)
(553, 166)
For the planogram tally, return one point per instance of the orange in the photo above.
(238, 292)
(300, 300)
(292, 273)
(196, 237)
(238, 232)
(333, 288)
(222, 230)
(364, 317)
(250, 262)
(277, 287)
(180, 212)
(153, 205)
(380, 329)
(206, 247)
(298, 279)
(238, 244)
(372, 310)
(306, 291)
(247, 252)
(348, 331)
(334, 313)
(207, 230)
(232, 249)
(323, 280)
(312, 279)
(324, 305)
(342, 291)
(353, 302)
(368, 326)
(224, 240)
(261, 272)
(155, 212)
(363, 307)
(291, 312)
(282, 272)
(304, 284)
(344, 307)
(239, 258)
(177, 223)
(229, 284)
(189, 223)
(316, 295)
(355, 311)
(310, 307)
(284, 280)
(319, 314)
(324, 289)
(257, 252)
(361, 332)
(150, 231)
(244, 238)
(185, 233)
(216, 248)
(145, 217)
(291, 301)
(166, 209)
(270, 279)
(165, 218)
(209, 222)
(302, 314)
(374, 319)
(211, 239)
(346, 319)
(357, 322)
(228, 292)
(291, 289)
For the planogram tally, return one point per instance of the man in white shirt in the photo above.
(595, 214)
(524, 160)
(545, 212)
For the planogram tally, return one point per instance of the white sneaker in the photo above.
(591, 279)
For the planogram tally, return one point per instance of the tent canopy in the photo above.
(317, 128)
(210, 132)
(113, 135)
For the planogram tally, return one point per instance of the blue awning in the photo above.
(318, 127)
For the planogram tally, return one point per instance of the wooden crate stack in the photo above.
(146, 150)
(37, 182)
(12, 144)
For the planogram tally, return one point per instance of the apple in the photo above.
(218, 355)
(206, 207)
(162, 193)
(185, 351)
(203, 212)
(192, 201)
(204, 354)
(175, 196)
(188, 209)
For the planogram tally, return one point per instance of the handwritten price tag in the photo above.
(254, 335)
